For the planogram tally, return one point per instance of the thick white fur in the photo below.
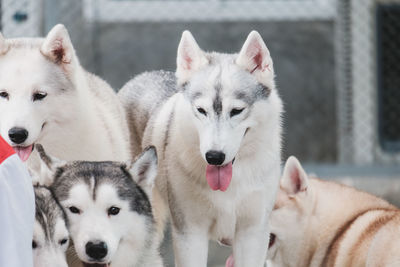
(131, 238)
(190, 57)
(80, 118)
(50, 234)
(50, 253)
(240, 214)
(253, 47)
(125, 235)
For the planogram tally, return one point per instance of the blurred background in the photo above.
(337, 66)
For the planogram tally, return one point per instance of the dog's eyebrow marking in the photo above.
(183, 87)
(196, 95)
(263, 91)
(250, 96)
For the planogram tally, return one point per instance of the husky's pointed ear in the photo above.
(57, 45)
(48, 167)
(3, 45)
(144, 169)
(255, 57)
(189, 59)
(294, 178)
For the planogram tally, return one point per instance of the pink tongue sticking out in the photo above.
(230, 262)
(219, 177)
(23, 152)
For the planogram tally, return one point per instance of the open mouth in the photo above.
(272, 238)
(219, 176)
(23, 151)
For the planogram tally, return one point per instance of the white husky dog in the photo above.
(50, 235)
(217, 129)
(47, 97)
(108, 207)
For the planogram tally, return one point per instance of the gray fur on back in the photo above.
(141, 97)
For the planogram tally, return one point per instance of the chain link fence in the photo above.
(367, 81)
(335, 59)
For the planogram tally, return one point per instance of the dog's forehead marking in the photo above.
(215, 76)
(217, 102)
(196, 95)
(80, 173)
(93, 187)
(225, 80)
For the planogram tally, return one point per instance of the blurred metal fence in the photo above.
(368, 106)
(210, 10)
(328, 54)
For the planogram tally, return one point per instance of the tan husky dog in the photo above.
(321, 223)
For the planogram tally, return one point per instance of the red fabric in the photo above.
(5, 150)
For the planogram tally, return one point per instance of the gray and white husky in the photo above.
(217, 129)
(50, 235)
(108, 207)
(46, 96)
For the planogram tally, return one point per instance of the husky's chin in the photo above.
(96, 264)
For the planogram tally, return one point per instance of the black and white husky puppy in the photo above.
(108, 207)
(50, 235)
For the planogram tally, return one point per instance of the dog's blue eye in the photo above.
(236, 111)
(4, 94)
(63, 241)
(113, 211)
(202, 111)
(39, 96)
(34, 244)
(74, 210)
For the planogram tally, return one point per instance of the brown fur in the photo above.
(333, 225)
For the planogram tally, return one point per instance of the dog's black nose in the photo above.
(18, 135)
(215, 157)
(96, 251)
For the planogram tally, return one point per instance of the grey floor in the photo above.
(216, 254)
